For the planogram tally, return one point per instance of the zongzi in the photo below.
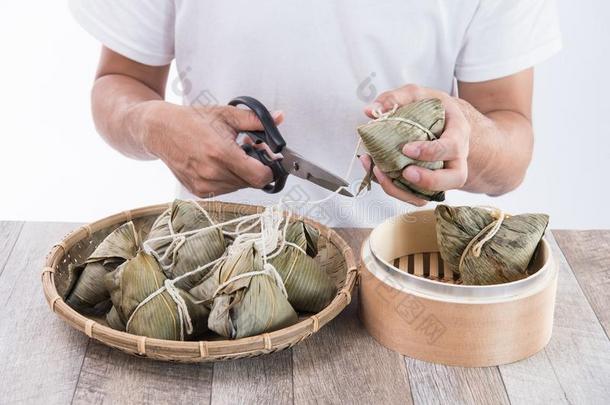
(87, 293)
(147, 309)
(384, 138)
(248, 300)
(487, 247)
(182, 254)
(309, 288)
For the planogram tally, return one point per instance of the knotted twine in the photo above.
(270, 242)
(389, 116)
(475, 245)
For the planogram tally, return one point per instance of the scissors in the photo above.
(290, 162)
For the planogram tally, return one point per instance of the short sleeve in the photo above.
(506, 37)
(139, 30)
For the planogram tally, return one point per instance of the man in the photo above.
(317, 64)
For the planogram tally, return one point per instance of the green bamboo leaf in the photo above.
(132, 283)
(309, 287)
(194, 250)
(384, 140)
(87, 293)
(251, 305)
(504, 258)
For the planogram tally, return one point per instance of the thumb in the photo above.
(245, 120)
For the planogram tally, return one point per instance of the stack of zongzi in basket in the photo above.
(186, 277)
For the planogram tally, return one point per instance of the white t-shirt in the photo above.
(322, 61)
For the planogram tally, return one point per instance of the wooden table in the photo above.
(43, 360)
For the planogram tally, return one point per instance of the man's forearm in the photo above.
(501, 145)
(120, 112)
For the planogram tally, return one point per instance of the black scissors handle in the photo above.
(271, 136)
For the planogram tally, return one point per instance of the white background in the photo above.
(54, 167)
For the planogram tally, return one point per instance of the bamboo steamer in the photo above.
(338, 261)
(409, 304)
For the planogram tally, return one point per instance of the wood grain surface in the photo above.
(263, 380)
(438, 384)
(579, 350)
(46, 361)
(41, 355)
(9, 232)
(588, 254)
(112, 377)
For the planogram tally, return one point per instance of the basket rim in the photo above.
(193, 351)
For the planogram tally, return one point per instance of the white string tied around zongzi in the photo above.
(183, 311)
(389, 116)
(476, 244)
(239, 220)
(270, 242)
(183, 314)
(268, 270)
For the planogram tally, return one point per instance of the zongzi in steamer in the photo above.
(184, 253)
(251, 304)
(487, 247)
(138, 280)
(309, 288)
(384, 138)
(88, 293)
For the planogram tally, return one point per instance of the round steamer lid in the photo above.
(412, 233)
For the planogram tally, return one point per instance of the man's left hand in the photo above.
(452, 147)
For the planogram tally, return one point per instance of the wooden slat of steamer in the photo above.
(578, 354)
(342, 363)
(111, 376)
(447, 273)
(418, 264)
(403, 263)
(426, 258)
(434, 266)
(265, 379)
(41, 355)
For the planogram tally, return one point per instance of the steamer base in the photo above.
(469, 326)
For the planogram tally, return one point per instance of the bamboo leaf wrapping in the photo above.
(133, 282)
(385, 138)
(194, 251)
(309, 288)
(87, 291)
(250, 305)
(504, 258)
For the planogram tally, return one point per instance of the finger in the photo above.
(453, 142)
(406, 95)
(206, 188)
(371, 109)
(450, 146)
(366, 161)
(253, 172)
(389, 188)
(451, 178)
(245, 120)
(213, 189)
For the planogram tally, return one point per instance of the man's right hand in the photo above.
(198, 145)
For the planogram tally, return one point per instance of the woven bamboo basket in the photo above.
(335, 256)
(412, 305)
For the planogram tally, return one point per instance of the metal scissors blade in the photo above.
(297, 165)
